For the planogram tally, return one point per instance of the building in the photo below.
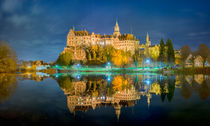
(197, 60)
(77, 41)
(151, 51)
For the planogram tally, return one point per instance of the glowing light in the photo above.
(108, 63)
(147, 82)
(147, 61)
(78, 65)
(56, 66)
(78, 77)
(108, 78)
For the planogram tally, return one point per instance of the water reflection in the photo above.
(92, 91)
(8, 85)
(86, 92)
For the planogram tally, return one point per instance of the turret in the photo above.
(148, 43)
(116, 30)
(117, 110)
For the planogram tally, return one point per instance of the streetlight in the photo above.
(78, 65)
(78, 77)
(108, 65)
(147, 61)
(147, 82)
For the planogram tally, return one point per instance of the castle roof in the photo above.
(126, 37)
(81, 33)
(107, 36)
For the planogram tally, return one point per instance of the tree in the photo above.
(170, 52)
(8, 59)
(208, 58)
(108, 52)
(64, 59)
(121, 58)
(203, 51)
(185, 52)
(192, 59)
(162, 51)
(136, 57)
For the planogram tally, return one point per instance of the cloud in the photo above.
(11, 5)
(36, 9)
(198, 34)
(18, 20)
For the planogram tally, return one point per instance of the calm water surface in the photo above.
(104, 99)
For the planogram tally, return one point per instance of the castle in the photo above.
(77, 41)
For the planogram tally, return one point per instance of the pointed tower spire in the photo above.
(116, 24)
(147, 40)
(116, 29)
(148, 100)
(117, 111)
(147, 37)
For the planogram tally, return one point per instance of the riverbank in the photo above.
(191, 70)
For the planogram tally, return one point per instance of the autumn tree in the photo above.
(208, 58)
(136, 57)
(203, 51)
(185, 52)
(192, 59)
(121, 58)
(64, 59)
(8, 59)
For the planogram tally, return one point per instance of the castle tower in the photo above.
(148, 99)
(117, 110)
(116, 30)
(148, 43)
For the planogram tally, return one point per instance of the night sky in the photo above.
(37, 29)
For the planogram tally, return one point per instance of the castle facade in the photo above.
(77, 41)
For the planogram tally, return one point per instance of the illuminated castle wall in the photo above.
(77, 41)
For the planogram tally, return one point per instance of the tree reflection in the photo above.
(65, 83)
(167, 87)
(195, 83)
(186, 90)
(204, 90)
(171, 88)
(119, 83)
(8, 85)
(124, 90)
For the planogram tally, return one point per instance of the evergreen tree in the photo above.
(161, 51)
(170, 52)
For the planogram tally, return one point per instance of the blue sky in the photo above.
(37, 29)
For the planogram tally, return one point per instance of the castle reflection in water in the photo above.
(91, 91)
(85, 91)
